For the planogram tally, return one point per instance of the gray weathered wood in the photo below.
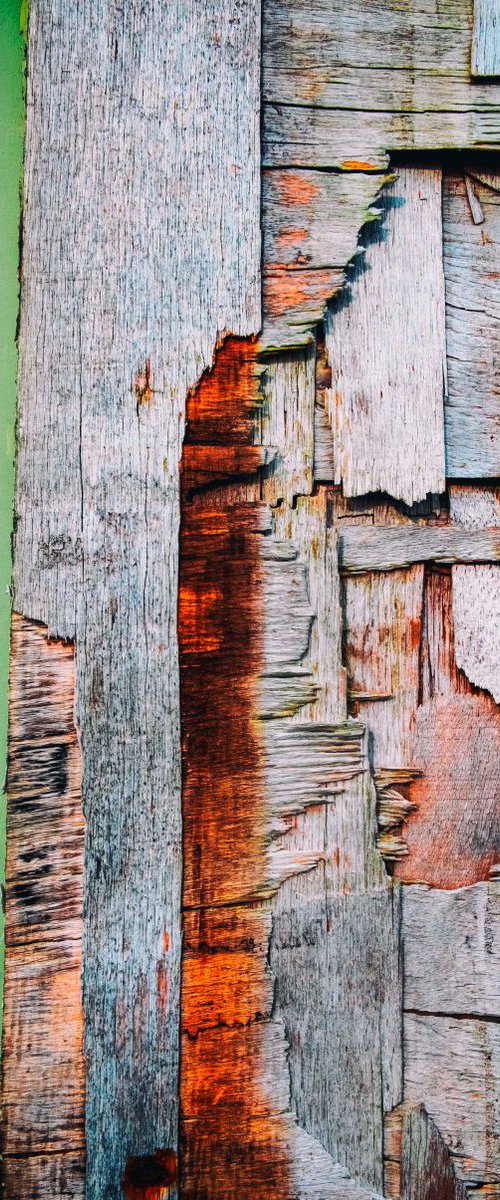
(471, 265)
(344, 1034)
(385, 548)
(141, 246)
(311, 222)
(407, 66)
(385, 390)
(485, 59)
(452, 1067)
(452, 949)
(476, 595)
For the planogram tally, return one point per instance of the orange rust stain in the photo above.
(225, 985)
(162, 987)
(287, 289)
(294, 188)
(143, 390)
(150, 1176)
(354, 164)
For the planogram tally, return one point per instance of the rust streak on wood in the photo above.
(230, 1114)
(44, 1071)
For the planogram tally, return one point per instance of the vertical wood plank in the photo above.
(485, 58)
(141, 247)
(471, 266)
(43, 1150)
(385, 390)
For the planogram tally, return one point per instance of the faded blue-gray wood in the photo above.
(141, 246)
(485, 59)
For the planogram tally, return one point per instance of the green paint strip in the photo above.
(12, 66)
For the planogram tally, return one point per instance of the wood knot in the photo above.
(142, 388)
(150, 1176)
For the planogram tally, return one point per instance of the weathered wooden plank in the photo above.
(43, 1060)
(485, 58)
(386, 548)
(287, 422)
(452, 1067)
(418, 1162)
(471, 265)
(382, 626)
(407, 66)
(141, 246)
(312, 218)
(452, 949)
(476, 594)
(298, 136)
(383, 388)
(453, 834)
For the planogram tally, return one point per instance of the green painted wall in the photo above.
(12, 20)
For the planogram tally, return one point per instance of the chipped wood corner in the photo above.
(253, 919)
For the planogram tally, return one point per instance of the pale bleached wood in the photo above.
(384, 389)
(476, 595)
(471, 264)
(452, 949)
(485, 58)
(141, 247)
(385, 548)
(287, 423)
(452, 1067)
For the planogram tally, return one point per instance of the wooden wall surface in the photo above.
(256, 585)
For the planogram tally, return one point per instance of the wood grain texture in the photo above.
(451, 1066)
(327, 945)
(453, 833)
(472, 265)
(125, 293)
(485, 58)
(43, 1150)
(451, 949)
(383, 388)
(382, 628)
(407, 66)
(311, 223)
(386, 548)
(245, 617)
(476, 595)
(418, 1162)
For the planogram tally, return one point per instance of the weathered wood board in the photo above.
(249, 608)
(472, 269)
(384, 390)
(141, 247)
(485, 59)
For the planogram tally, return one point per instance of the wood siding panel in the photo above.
(384, 390)
(141, 246)
(472, 269)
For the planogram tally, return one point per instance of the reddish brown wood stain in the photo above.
(44, 1070)
(453, 836)
(228, 1150)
